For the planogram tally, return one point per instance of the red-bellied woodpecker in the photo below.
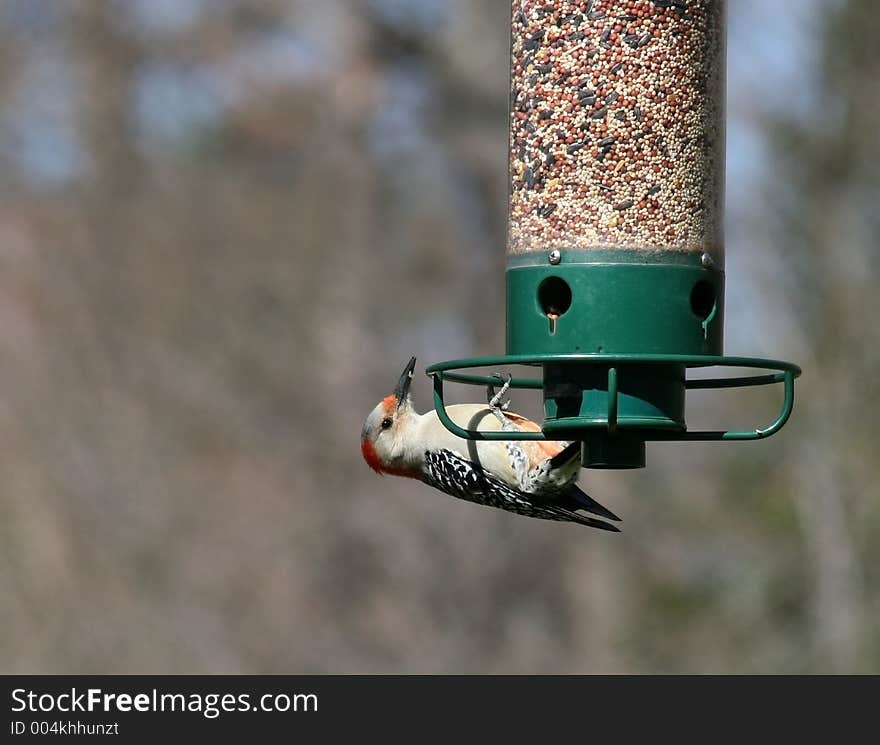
(532, 478)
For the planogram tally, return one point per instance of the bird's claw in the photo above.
(496, 401)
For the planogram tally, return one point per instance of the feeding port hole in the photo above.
(554, 297)
(703, 299)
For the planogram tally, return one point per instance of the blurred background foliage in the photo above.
(224, 227)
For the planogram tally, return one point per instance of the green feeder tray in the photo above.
(610, 415)
(614, 333)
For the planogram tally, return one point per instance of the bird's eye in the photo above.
(386, 423)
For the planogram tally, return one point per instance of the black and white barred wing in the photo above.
(459, 477)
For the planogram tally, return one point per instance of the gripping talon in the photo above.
(495, 399)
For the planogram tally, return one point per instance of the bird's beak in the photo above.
(402, 389)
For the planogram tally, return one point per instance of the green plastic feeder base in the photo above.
(614, 332)
(610, 451)
(578, 397)
(613, 301)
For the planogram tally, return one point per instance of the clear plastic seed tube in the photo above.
(616, 126)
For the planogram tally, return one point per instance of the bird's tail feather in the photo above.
(591, 522)
(578, 500)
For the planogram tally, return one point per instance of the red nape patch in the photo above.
(371, 456)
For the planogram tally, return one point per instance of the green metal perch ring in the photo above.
(782, 372)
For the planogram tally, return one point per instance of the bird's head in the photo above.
(383, 441)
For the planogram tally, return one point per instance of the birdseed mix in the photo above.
(616, 136)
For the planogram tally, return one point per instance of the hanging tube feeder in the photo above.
(615, 252)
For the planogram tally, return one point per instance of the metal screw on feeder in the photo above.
(615, 256)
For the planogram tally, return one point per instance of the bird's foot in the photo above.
(496, 400)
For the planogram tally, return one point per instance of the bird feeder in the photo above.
(615, 250)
